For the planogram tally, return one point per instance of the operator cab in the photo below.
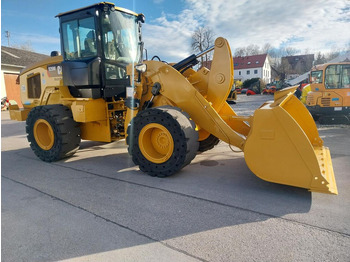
(98, 42)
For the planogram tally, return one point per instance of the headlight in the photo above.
(141, 68)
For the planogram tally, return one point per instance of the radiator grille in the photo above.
(325, 101)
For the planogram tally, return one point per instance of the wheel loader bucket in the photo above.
(284, 146)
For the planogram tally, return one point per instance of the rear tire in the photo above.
(162, 140)
(52, 132)
(208, 143)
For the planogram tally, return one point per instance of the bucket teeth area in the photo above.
(326, 182)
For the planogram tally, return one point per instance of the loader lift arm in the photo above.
(282, 127)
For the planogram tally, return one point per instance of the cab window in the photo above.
(337, 76)
(345, 77)
(316, 77)
(79, 38)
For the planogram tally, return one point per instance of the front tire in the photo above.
(162, 140)
(52, 132)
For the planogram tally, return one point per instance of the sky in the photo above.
(313, 25)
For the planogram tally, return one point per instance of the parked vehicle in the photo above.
(269, 90)
(329, 99)
(254, 89)
(5, 103)
(232, 96)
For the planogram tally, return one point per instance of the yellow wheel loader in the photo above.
(232, 96)
(100, 89)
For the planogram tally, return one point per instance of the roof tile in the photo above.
(246, 62)
(19, 57)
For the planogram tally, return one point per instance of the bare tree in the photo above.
(284, 67)
(252, 50)
(240, 51)
(291, 51)
(266, 49)
(27, 45)
(202, 39)
(320, 59)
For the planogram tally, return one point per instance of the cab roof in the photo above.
(323, 66)
(98, 5)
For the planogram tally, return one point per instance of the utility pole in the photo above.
(7, 35)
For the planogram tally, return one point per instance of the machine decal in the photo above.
(54, 70)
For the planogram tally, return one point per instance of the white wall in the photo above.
(244, 75)
(3, 88)
(266, 71)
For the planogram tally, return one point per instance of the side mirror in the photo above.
(141, 18)
(141, 68)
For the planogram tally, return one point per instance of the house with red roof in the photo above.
(254, 66)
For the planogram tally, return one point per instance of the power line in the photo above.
(7, 35)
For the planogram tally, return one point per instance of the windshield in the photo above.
(120, 36)
(337, 76)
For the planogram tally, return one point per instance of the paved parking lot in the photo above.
(97, 206)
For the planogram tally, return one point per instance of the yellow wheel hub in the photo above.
(156, 143)
(43, 134)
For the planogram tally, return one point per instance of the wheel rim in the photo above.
(156, 143)
(43, 134)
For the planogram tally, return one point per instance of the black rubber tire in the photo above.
(208, 143)
(183, 133)
(334, 120)
(315, 117)
(66, 132)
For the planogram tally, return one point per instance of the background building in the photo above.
(13, 60)
(294, 66)
(255, 66)
(248, 67)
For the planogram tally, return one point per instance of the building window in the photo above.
(255, 72)
(239, 73)
(248, 72)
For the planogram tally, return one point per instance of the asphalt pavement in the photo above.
(98, 206)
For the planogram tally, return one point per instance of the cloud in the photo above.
(276, 22)
(39, 43)
(37, 38)
(169, 37)
(314, 25)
